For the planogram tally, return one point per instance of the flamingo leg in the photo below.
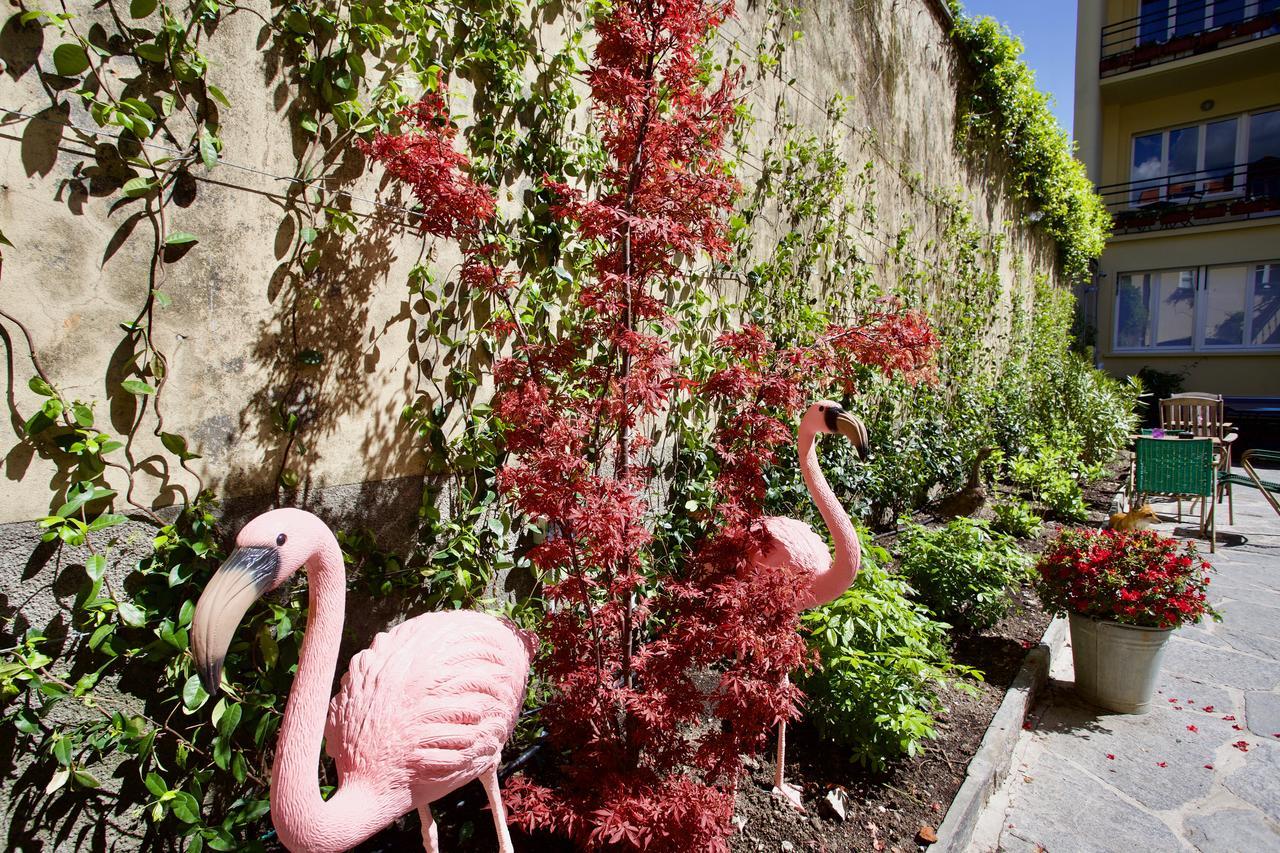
(493, 789)
(429, 840)
(788, 793)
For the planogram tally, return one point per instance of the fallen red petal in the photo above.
(1192, 729)
(1208, 709)
(1228, 717)
(1110, 757)
(1162, 764)
(1240, 728)
(1242, 745)
(1208, 767)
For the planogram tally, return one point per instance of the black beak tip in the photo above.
(211, 676)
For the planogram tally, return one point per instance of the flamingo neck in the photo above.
(303, 820)
(848, 557)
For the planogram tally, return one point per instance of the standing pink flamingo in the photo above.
(424, 710)
(799, 550)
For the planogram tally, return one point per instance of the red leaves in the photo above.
(422, 155)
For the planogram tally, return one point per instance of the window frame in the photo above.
(1249, 9)
(1161, 182)
(1202, 275)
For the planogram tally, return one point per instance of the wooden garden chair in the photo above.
(1178, 468)
(1202, 415)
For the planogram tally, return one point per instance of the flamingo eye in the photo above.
(822, 408)
(281, 539)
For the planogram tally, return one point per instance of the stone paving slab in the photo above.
(1201, 772)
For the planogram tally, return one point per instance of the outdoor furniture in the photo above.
(1268, 488)
(1201, 414)
(1178, 468)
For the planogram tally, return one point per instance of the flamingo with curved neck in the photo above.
(796, 548)
(425, 709)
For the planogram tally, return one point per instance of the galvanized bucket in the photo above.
(1116, 665)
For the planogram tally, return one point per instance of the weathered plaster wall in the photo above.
(79, 264)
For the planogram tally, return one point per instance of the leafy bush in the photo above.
(1092, 406)
(882, 660)
(962, 571)
(1052, 473)
(1136, 578)
(1015, 517)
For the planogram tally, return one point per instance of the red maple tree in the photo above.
(661, 677)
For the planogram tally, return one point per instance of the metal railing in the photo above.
(1182, 29)
(1240, 191)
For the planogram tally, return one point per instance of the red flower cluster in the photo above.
(1135, 578)
(422, 156)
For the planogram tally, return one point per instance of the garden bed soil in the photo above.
(893, 810)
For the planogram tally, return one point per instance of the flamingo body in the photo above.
(795, 546)
(428, 706)
(421, 712)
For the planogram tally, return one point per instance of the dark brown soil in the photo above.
(886, 811)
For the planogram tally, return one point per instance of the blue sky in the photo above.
(1048, 32)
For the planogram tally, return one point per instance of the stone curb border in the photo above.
(991, 763)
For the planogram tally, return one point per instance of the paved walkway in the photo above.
(1199, 773)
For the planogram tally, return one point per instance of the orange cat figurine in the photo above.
(1135, 519)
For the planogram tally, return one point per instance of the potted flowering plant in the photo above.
(1124, 593)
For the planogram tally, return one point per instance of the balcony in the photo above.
(1179, 28)
(1185, 199)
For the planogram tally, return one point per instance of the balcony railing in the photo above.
(1227, 194)
(1185, 28)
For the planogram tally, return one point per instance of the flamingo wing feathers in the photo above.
(795, 546)
(431, 702)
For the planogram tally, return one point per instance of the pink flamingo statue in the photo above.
(421, 712)
(797, 548)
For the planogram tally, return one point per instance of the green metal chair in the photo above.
(1178, 468)
(1250, 477)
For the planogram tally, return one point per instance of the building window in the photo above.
(1224, 157)
(1229, 307)
(1162, 20)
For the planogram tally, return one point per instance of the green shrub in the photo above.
(962, 571)
(1052, 472)
(1015, 517)
(882, 660)
(1095, 408)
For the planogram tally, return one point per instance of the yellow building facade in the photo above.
(1177, 118)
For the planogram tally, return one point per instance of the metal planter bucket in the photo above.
(1116, 665)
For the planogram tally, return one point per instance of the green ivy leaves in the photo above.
(70, 60)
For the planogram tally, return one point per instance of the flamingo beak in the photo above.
(853, 429)
(245, 575)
